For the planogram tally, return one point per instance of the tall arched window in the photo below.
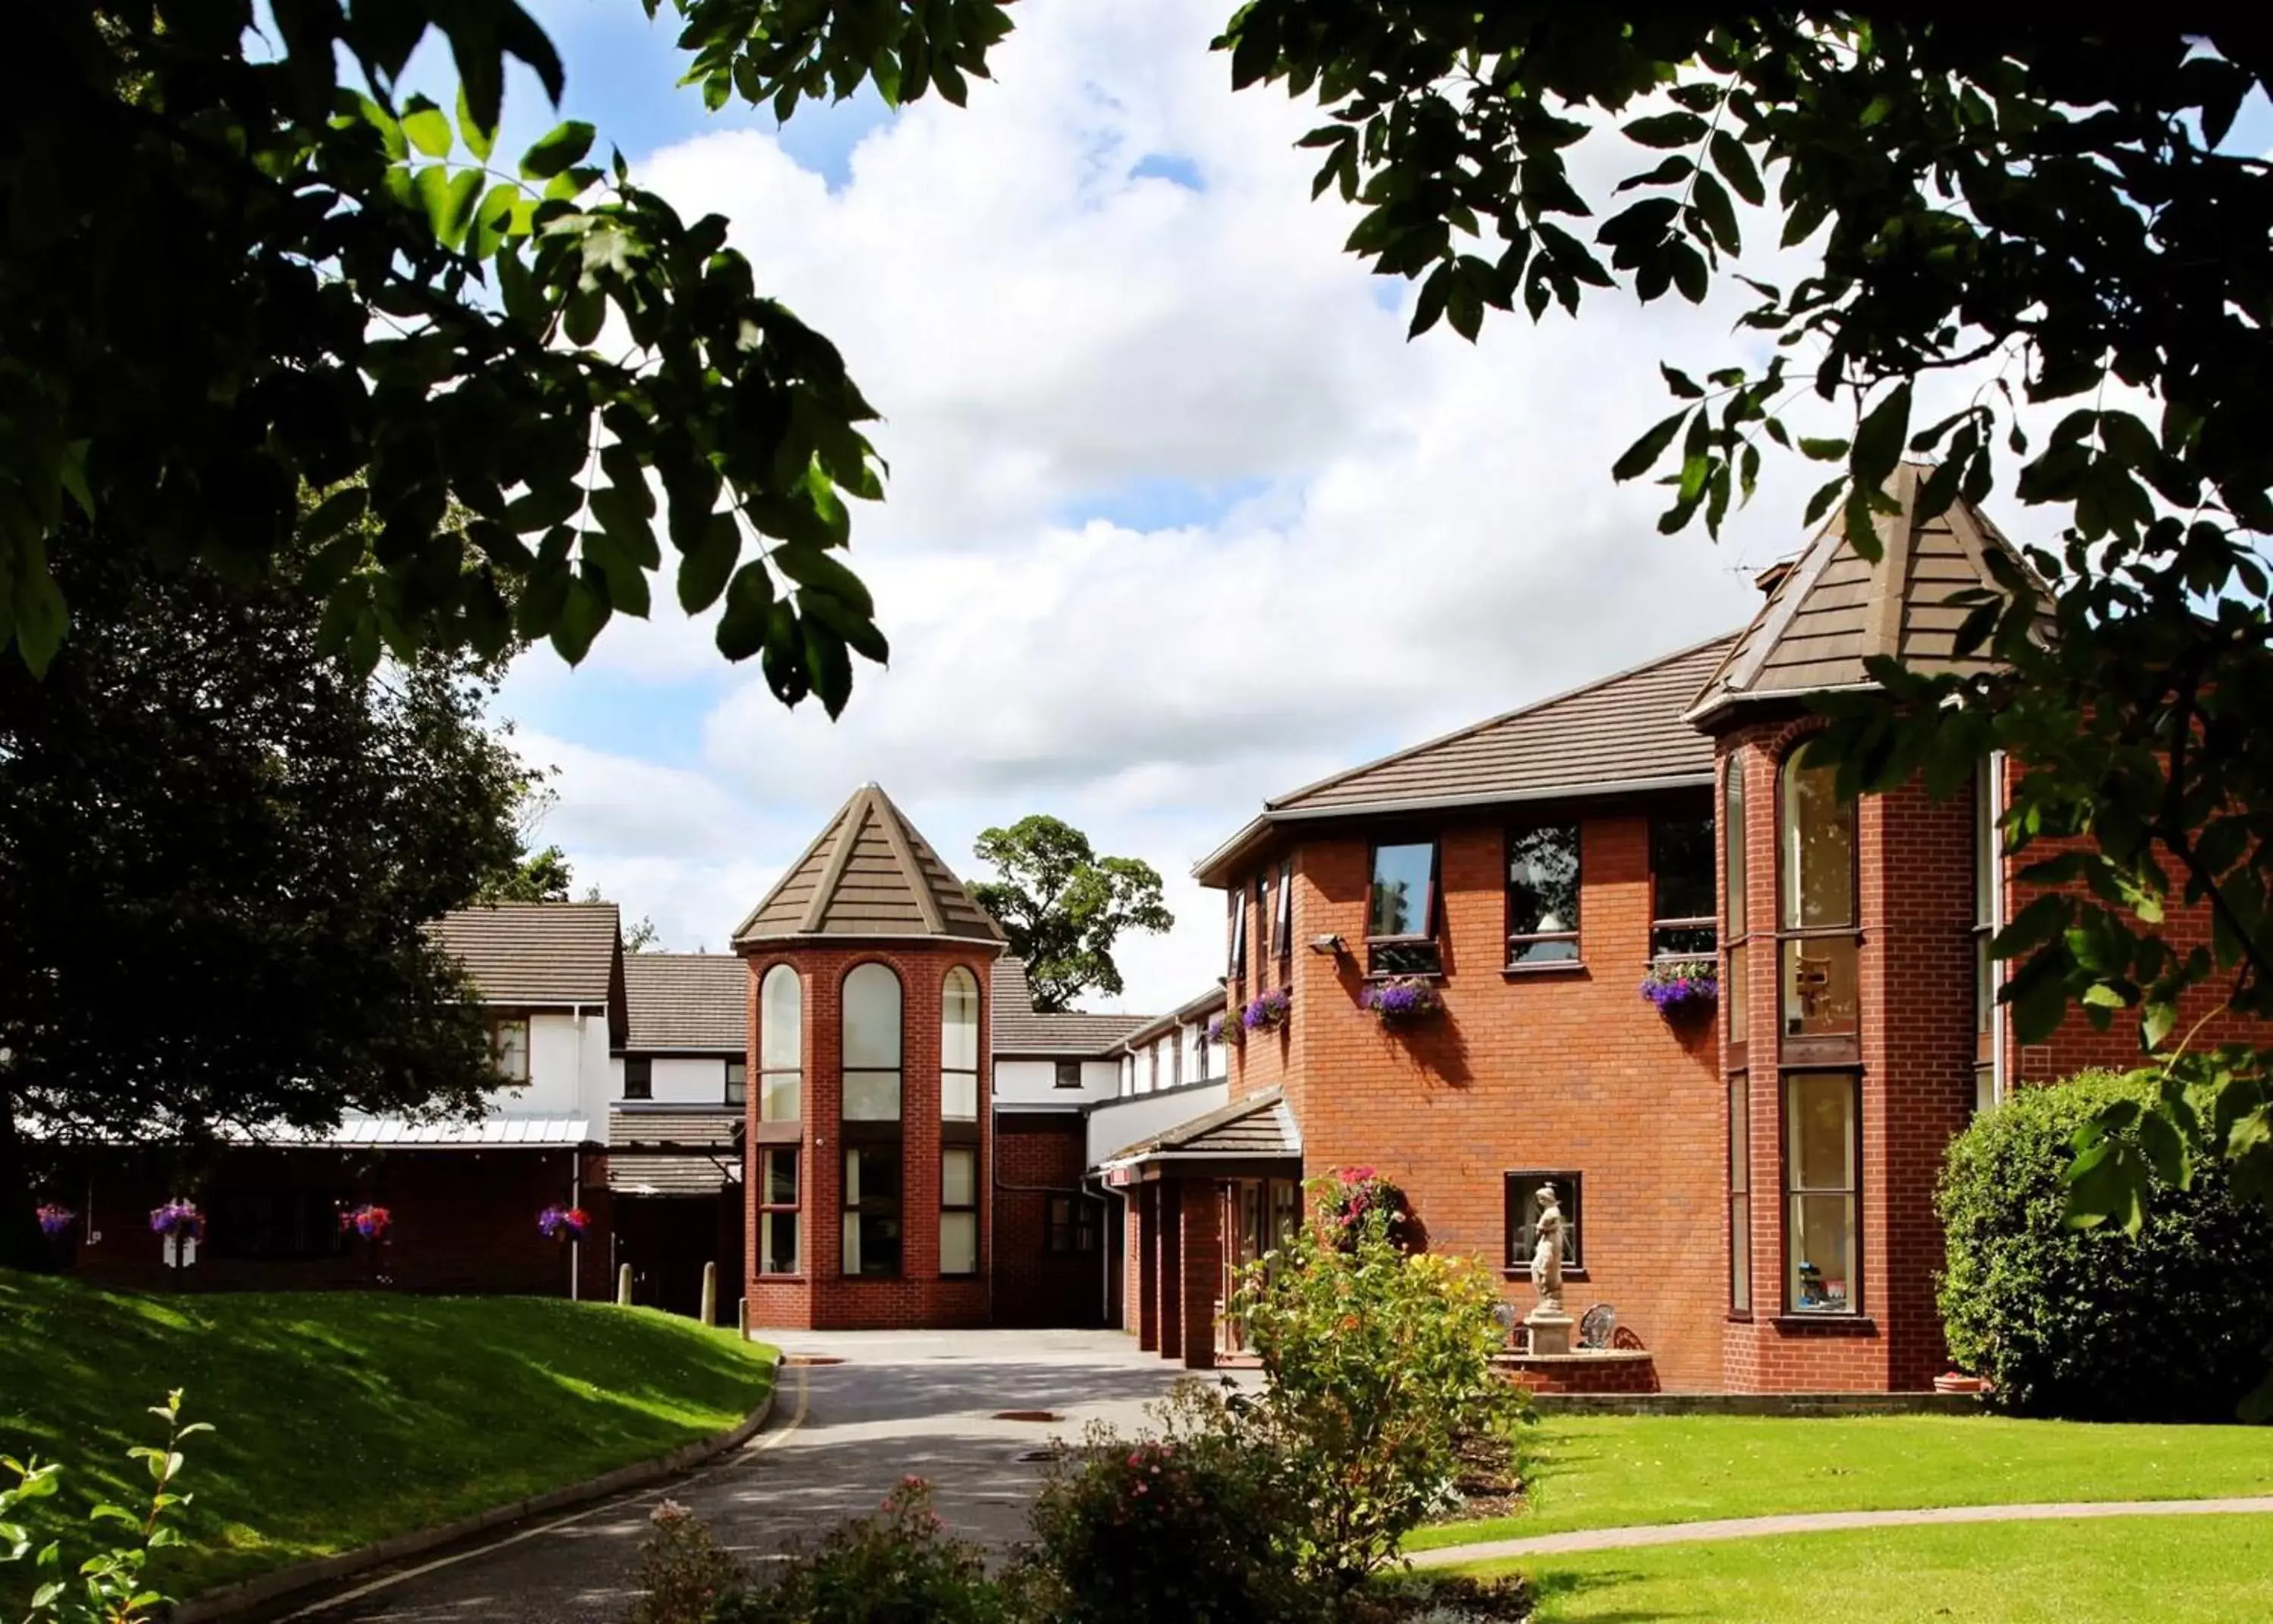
(872, 1044)
(958, 1046)
(1816, 916)
(781, 1045)
(871, 1050)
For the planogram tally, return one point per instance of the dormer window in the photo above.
(1542, 895)
(1401, 928)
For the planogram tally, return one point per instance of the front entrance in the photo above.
(1259, 1214)
(668, 1238)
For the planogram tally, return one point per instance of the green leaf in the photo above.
(1666, 130)
(558, 151)
(749, 611)
(1880, 437)
(428, 127)
(480, 142)
(1735, 165)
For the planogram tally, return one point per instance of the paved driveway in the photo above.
(901, 1403)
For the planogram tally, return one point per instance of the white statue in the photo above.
(1546, 1256)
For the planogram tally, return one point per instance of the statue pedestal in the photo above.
(1550, 1330)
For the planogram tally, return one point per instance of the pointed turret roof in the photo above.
(869, 874)
(1830, 610)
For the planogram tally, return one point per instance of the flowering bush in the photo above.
(683, 1572)
(178, 1220)
(370, 1223)
(1379, 1364)
(1268, 1011)
(1678, 985)
(1348, 1197)
(1403, 998)
(564, 1223)
(54, 1220)
(898, 1565)
(1192, 1524)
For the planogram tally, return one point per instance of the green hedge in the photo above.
(2172, 1324)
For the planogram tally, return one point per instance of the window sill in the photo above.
(1838, 1324)
(1738, 1316)
(1523, 1272)
(781, 1279)
(1545, 966)
(1392, 975)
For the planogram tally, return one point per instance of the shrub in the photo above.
(1187, 1527)
(1378, 1364)
(683, 1573)
(2172, 1323)
(898, 1565)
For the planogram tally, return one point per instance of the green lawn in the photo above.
(346, 1417)
(2171, 1570)
(1608, 1472)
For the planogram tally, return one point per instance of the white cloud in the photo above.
(1427, 533)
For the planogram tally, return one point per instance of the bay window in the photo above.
(958, 1046)
(777, 1211)
(1822, 1137)
(1732, 847)
(1400, 929)
(872, 1209)
(1543, 895)
(1984, 929)
(781, 1045)
(1820, 969)
(871, 1046)
(1740, 1195)
(958, 1210)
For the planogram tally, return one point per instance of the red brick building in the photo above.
(1747, 1177)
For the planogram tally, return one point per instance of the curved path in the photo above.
(901, 1403)
(1823, 1523)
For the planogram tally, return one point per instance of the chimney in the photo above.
(1769, 579)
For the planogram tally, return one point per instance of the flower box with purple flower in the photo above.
(177, 1221)
(370, 1223)
(1403, 999)
(1678, 986)
(1268, 1012)
(564, 1223)
(54, 1220)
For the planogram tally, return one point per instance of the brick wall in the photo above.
(1564, 1069)
(1038, 1156)
(823, 1297)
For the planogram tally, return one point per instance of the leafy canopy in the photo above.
(1063, 907)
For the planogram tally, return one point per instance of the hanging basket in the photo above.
(1403, 1000)
(1680, 987)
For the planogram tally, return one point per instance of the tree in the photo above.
(219, 852)
(1063, 906)
(641, 936)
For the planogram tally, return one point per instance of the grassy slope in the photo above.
(2173, 1570)
(344, 1417)
(1611, 1471)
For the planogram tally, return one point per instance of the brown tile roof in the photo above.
(670, 1175)
(870, 873)
(688, 1000)
(1022, 1029)
(536, 953)
(1258, 1126)
(679, 1126)
(1831, 611)
(1625, 731)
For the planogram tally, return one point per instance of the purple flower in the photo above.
(1678, 985)
(1215, 1028)
(178, 1219)
(1269, 1011)
(1405, 998)
(54, 1220)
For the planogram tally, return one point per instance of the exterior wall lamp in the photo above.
(1327, 944)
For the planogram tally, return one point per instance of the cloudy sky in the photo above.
(1177, 518)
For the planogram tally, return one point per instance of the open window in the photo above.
(1401, 910)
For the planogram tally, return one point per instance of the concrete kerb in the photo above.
(231, 1599)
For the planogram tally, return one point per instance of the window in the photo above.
(737, 1082)
(1822, 1146)
(1072, 1226)
(1173, 1043)
(777, 1211)
(280, 1225)
(1282, 919)
(1400, 927)
(1543, 895)
(1681, 880)
(872, 1043)
(639, 1077)
(781, 1045)
(1732, 846)
(1740, 1195)
(958, 1210)
(1984, 928)
(958, 1046)
(1153, 1068)
(1069, 1074)
(1266, 915)
(1235, 898)
(509, 1047)
(1200, 1071)
(1816, 916)
(1522, 1190)
(872, 1209)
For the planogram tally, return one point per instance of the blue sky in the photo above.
(1177, 518)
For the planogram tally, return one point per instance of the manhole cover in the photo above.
(1028, 1415)
(813, 1359)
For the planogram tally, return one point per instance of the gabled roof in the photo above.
(538, 953)
(1258, 1126)
(1625, 733)
(1831, 611)
(1022, 1029)
(869, 874)
(1209, 1002)
(697, 1001)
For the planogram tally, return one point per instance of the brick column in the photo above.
(1145, 1248)
(1202, 1272)
(1169, 1222)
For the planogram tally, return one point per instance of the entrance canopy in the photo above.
(1251, 1137)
